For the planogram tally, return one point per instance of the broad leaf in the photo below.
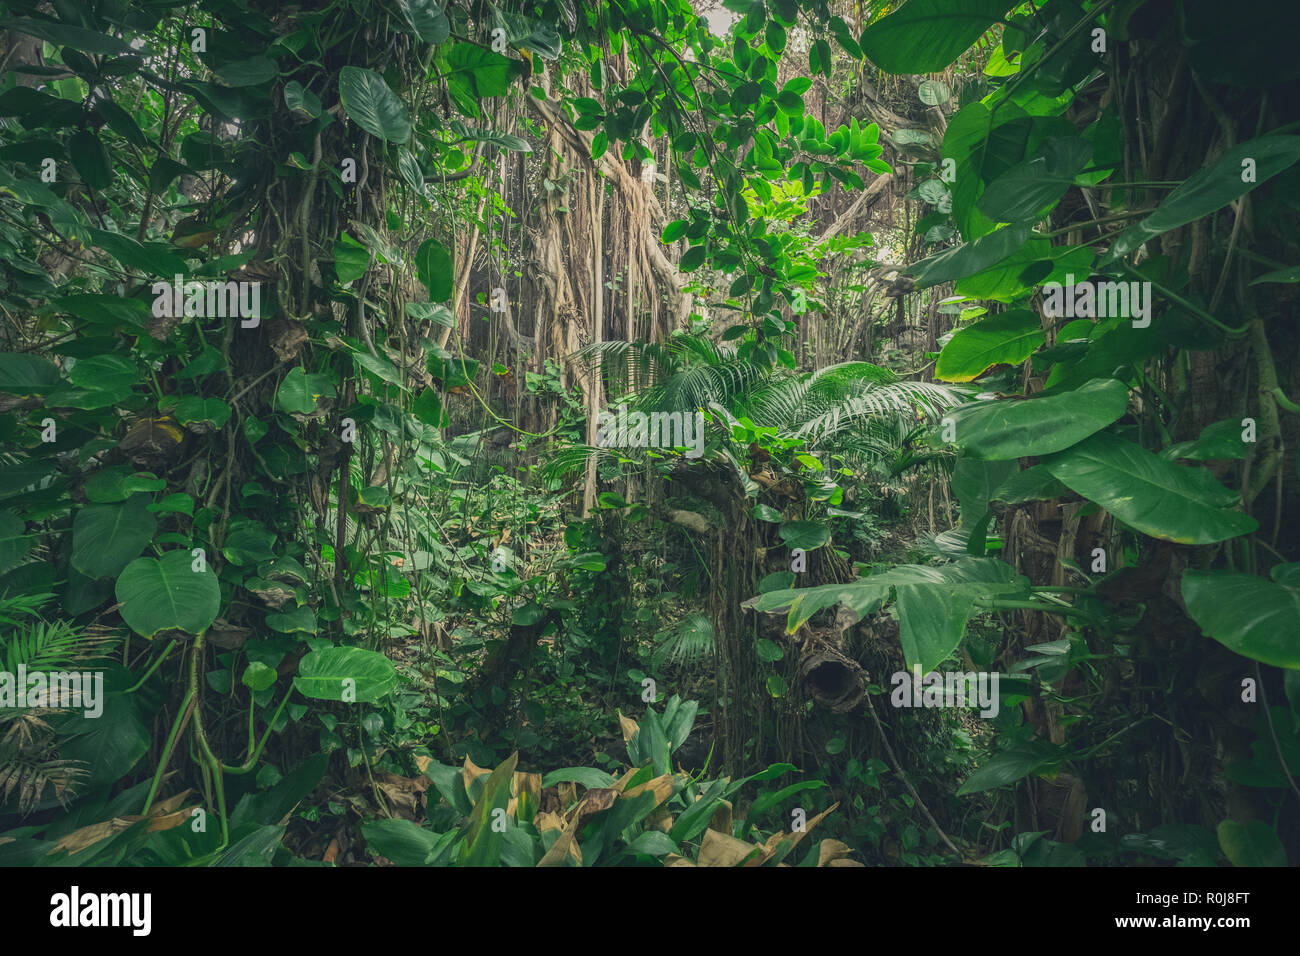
(1167, 501)
(1248, 614)
(348, 674)
(160, 594)
(106, 537)
(1008, 428)
(925, 36)
(372, 105)
(1005, 339)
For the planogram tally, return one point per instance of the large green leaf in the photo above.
(400, 841)
(106, 537)
(1029, 189)
(160, 594)
(63, 34)
(299, 391)
(14, 543)
(1254, 843)
(1012, 765)
(373, 106)
(23, 374)
(807, 535)
(969, 257)
(1211, 188)
(433, 266)
(1257, 618)
(1172, 502)
(1006, 428)
(925, 36)
(484, 840)
(426, 19)
(348, 674)
(934, 603)
(1005, 339)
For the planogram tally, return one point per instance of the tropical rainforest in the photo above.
(649, 433)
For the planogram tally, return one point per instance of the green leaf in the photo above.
(1028, 190)
(257, 676)
(14, 543)
(934, 603)
(25, 374)
(925, 36)
(808, 535)
(299, 391)
(1211, 188)
(1217, 442)
(1251, 844)
(160, 594)
(1254, 617)
(301, 100)
(589, 777)
(970, 257)
(373, 106)
(90, 160)
(62, 34)
(1167, 501)
(483, 840)
(1005, 339)
(428, 22)
(300, 620)
(433, 265)
(599, 144)
(253, 71)
(347, 674)
(400, 841)
(1008, 428)
(1011, 765)
(351, 259)
(212, 412)
(104, 373)
(106, 537)
(434, 312)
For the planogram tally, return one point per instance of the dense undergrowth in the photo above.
(588, 419)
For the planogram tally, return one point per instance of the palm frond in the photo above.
(691, 641)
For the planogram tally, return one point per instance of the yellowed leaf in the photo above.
(718, 849)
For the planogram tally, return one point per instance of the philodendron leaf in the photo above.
(167, 593)
(1005, 339)
(1249, 614)
(925, 36)
(348, 674)
(934, 603)
(1008, 428)
(372, 105)
(1167, 501)
(1251, 844)
(106, 537)
(808, 535)
(1235, 173)
(1012, 765)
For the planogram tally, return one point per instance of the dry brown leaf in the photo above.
(471, 772)
(718, 849)
(662, 787)
(832, 851)
(629, 727)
